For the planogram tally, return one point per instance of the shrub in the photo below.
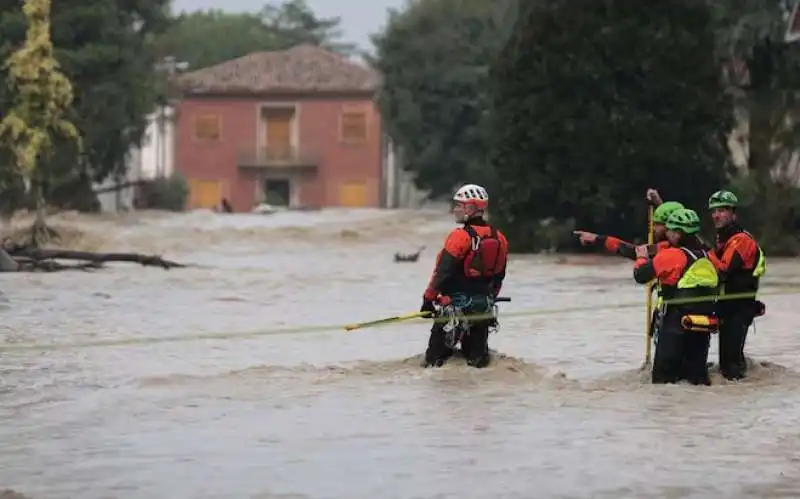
(164, 193)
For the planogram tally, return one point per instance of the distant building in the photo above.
(297, 128)
(155, 158)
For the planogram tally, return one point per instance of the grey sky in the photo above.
(360, 18)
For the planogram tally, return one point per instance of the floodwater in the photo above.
(279, 410)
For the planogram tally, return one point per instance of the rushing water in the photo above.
(315, 413)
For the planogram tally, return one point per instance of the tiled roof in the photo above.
(304, 68)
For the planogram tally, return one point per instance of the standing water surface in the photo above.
(563, 412)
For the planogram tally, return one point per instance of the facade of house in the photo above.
(297, 128)
(398, 184)
(153, 159)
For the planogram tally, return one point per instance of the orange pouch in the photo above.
(700, 323)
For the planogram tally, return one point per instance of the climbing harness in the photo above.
(457, 325)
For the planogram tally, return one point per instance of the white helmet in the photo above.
(472, 194)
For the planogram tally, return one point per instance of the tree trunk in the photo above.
(41, 234)
(40, 214)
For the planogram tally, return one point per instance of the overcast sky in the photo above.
(360, 18)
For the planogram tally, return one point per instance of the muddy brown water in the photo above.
(563, 412)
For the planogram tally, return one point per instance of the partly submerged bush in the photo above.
(164, 193)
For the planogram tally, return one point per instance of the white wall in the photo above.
(158, 146)
(156, 157)
(399, 188)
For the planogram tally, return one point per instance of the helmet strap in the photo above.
(477, 213)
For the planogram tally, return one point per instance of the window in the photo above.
(207, 127)
(354, 126)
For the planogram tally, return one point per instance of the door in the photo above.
(277, 192)
(204, 193)
(353, 194)
(279, 135)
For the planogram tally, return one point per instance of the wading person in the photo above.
(628, 250)
(468, 276)
(741, 263)
(683, 272)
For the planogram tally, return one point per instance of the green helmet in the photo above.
(722, 199)
(662, 213)
(684, 220)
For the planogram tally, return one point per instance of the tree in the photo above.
(106, 50)
(592, 103)
(206, 38)
(43, 97)
(111, 60)
(434, 57)
(763, 74)
(295, 23)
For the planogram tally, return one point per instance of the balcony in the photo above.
(285, 158)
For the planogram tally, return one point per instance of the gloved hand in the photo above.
(428, 306)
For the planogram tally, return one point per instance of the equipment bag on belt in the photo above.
(700, 323)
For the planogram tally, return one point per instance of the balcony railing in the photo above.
(274, 156)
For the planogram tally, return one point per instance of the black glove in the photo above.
(427, 306)
(759, 308)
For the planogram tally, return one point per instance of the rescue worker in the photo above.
(629, 250)
(741, 263)
(683, 270)
(654, 198)
(468, 275)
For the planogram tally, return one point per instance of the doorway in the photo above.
(277, 192)
(278, 128)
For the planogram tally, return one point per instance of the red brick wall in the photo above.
(319, 134)
(342, 163)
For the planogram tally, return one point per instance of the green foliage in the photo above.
(109, 51)
(102, 38)
(168, 193)
(434, 57)
(105, 50)
(40, 97)
(13, 195)
(590, 109)
(294, 23)
(76, 194)
(206, 38)
(766, 85)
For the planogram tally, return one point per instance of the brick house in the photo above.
(296, 127)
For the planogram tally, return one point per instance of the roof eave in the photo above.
(277, 93)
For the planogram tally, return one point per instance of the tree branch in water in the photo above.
(29, 258)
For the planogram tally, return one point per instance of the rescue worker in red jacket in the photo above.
(469, 274)
(741, 263)
(626, 249)
(684, 272)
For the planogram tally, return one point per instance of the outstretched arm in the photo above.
(611, 244)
